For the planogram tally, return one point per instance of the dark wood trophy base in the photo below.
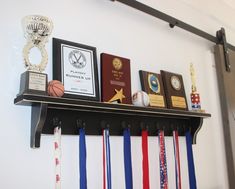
(33, 83)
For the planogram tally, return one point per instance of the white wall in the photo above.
(151, 45)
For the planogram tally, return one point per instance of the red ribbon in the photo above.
(145, 159)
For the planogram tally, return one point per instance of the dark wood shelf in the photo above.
(94, 116)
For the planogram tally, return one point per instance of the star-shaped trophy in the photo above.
(118, 96)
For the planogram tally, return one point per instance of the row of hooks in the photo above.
(124, 124)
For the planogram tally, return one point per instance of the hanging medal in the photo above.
(57, 156)
(162, 161)
(107, 184)
(191, 168)
(177, 159)
(145, 162)
(82, 159)
(127, 158)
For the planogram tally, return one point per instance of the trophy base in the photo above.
(33, 83)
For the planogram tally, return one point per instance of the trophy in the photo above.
(195, 97)
(37, 29)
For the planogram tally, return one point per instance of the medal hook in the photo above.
(125, 125)
(80, 124)
(105, 125)
(56, 122)
(144, 127)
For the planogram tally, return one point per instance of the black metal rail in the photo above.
(172, 21)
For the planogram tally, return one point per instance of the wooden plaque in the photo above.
(151, 83)
(115, 79)
(174, 90)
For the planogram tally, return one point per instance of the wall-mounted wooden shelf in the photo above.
(73, 113)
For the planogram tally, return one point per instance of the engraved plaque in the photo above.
(151, 83)
(174, 90)
(115, 79)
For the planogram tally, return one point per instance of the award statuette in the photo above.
(151, 83)
(37, 29)
(174, 90)
(195, 97)
(115, 79)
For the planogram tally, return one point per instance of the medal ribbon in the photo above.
(106, 161)
(145, 162)
(82, 159)
(162, 161)
(177, 159)
(57, 156)
(127, 158)
(191, 168)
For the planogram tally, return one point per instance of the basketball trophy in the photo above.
(195, 97)
(37, 29)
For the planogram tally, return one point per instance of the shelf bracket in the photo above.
(38, 117)
(198, 124)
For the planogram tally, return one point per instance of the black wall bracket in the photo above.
(220, 34)
(72, 114)
(220, 37)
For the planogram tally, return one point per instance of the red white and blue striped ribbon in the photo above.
(57, 156)
(162, 161)
(107, 184)
(177, 159)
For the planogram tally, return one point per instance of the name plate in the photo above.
(157, 100)
(178, 102)
(37, 81)
(33, 83)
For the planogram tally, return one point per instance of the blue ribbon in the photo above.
(127, 158)
(191, 168)
(82, 159)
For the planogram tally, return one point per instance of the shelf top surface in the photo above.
(68, 103)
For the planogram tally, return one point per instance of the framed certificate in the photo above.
(75, 65)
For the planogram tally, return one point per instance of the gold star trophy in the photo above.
(195, 97)
(118, 96)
